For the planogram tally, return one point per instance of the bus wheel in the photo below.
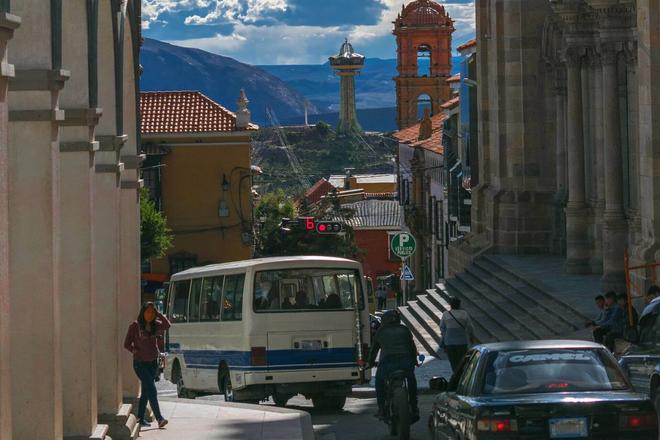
(281, 399)
(177, 378)
(329, 402)
(227, 389)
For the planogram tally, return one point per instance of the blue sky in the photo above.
(287, 31)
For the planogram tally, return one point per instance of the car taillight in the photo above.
(497, 425)
(258, 356)
(637, 421)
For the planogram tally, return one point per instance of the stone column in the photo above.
(8, 24)
(577, 243)
(561, 160)
(110, 328)
(634, 222)
(34, 223)
(615, 229)
(598, 174)
(77, 284)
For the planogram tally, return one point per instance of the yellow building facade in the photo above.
(198, 170)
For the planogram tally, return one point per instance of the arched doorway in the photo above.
(424, 102)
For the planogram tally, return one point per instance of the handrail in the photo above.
(629, 284)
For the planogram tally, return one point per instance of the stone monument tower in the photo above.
(422, 29)
(346, 65)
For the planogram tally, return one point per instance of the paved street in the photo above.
(356, 421)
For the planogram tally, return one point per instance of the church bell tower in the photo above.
(423, 31)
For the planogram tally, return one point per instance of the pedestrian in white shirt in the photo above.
(457, 332)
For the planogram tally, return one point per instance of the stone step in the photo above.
(430, 309)
(536, 308)
(431, 327)
(486, 329)
(437, 299)
(440, 299)
(511, 305)
(527, 288)
(425, 342)
(481, 309)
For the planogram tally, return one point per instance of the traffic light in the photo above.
(328, 227)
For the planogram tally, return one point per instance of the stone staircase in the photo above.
(423, 316)
(504, 305)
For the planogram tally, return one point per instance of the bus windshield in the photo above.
(308, 290)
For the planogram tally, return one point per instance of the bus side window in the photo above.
(211, 294)
(181, 291)
(232, 298)
(193, 307)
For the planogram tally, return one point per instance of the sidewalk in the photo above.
(210, 420)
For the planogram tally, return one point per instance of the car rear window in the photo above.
(551, 371)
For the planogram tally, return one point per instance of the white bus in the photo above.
(269, 327)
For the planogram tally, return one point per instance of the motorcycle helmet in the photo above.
(390, 317)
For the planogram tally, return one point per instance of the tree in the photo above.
(276, 238)
(155, 236)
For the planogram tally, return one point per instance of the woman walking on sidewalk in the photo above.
(141, 340)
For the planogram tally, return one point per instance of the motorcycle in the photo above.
(397, 412)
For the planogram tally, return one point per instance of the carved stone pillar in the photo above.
(561, 196)
(8, 24)
(615, 228)
(634, 219)
(577, 243)
(597, 169)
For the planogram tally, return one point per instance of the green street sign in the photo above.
(403, 245)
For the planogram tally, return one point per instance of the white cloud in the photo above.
(285, 44)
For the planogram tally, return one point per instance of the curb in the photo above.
(304, 418)
(371, 393)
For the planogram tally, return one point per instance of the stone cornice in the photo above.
(82, 117)
(78, 147)
(112, 143)
(36, 115)
(39, 80)
(8, 24)
(111, 168)
(609, 52)
(132, 184)
(133, 162)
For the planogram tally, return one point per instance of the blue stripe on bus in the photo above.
(276, 359)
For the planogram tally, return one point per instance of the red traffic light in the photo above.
(328, 227)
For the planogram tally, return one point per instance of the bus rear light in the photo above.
(258, 356)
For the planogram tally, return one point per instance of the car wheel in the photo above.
(181, 390)
(656, 402)
(334, 403)
(281, 399)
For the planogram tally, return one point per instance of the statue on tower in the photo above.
(347, 64)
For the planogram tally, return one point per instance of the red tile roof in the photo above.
(467, 45)
(410, 135)
(184, 112)
(318, 190)
(451, 103)
(455, 78)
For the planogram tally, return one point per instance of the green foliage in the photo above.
(322, 128)
(155, 236)
(276, 239)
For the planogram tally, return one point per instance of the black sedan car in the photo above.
(540, 390)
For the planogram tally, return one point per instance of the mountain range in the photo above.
(283, 88)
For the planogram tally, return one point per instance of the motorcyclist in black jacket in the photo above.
(397, 352)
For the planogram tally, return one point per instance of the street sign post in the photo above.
(406, 274)
(403, 245)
